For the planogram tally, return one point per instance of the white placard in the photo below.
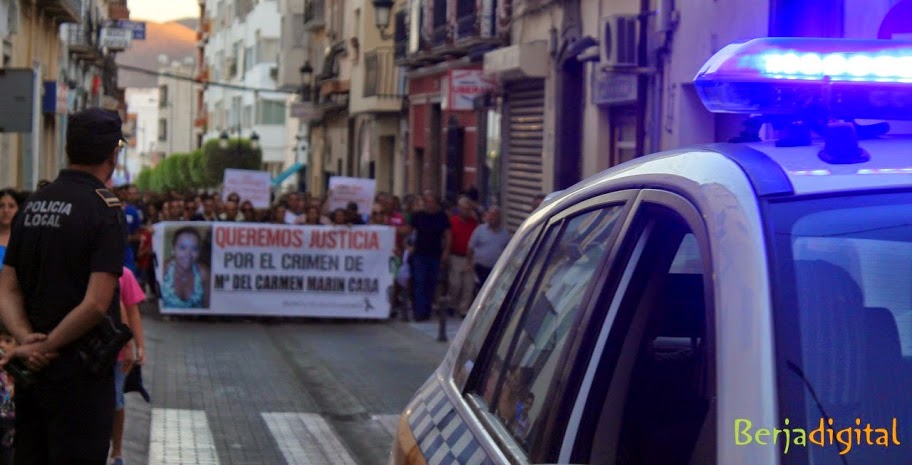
(249, 185)
(214, 268)
(358, 190)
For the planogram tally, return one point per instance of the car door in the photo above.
(648, 394)
(525, 366)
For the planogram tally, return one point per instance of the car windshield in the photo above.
(842, 291)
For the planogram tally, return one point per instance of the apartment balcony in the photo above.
(440, 26)
(80, 42)
(466, 19)
(62, 11)
(314, 14)
(441, 36)
(381, 75)
(474, 27)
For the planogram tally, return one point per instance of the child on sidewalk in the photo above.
(7, 407)
(131, 295)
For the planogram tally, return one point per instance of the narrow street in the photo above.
(302, 392)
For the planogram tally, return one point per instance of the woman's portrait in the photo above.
(185, 276)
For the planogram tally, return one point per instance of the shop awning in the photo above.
(285, 174)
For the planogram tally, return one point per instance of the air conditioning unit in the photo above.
(618, 35)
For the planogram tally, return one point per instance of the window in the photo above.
(842, 314)
(270, 112)
(249, 58)
(529, 352)
(163, 96)
(267, 51)
(247, 116)
(652, 385)
(162, 129)
(235, 111)
(492, 301)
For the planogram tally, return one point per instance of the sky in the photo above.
(161, 11)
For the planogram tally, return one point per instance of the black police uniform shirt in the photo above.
(63, 233)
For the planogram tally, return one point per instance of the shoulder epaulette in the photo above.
(109, 198)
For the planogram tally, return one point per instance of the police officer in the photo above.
(59, 279)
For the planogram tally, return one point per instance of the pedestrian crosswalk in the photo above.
(179, 437)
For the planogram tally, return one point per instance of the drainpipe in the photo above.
(642, 78)
(568, 144)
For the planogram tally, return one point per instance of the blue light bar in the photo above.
(834, 78)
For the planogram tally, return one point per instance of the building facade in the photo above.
(31, 44)
(176, 132)
(143, 138)
(242, 50)
(441, 45)
(576, 93)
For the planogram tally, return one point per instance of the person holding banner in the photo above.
(185, 281)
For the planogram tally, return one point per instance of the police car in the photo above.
(738, 303)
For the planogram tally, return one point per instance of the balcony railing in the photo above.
(79, 41)
(381, 75)
(466, 19)
(314, 14)
(439, 35)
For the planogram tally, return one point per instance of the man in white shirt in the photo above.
(488, 241)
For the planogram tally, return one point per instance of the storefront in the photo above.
(521, 113)
(443, 131)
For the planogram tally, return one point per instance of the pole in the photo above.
(642, 79)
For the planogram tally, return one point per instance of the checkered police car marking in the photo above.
(442, 435)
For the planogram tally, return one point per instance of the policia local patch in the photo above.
(47, 213)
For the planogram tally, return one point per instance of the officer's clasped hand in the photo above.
(32, 351)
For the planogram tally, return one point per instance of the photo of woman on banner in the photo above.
(185, 275)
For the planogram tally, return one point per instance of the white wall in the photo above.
(179, 110)
(262, 23)
(144, 103)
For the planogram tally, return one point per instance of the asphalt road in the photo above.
(273, 393)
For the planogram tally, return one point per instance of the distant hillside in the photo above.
(174, 39)
(192, 23)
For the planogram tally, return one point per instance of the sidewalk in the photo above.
(431, 327)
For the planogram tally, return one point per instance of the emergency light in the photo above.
(810, 78)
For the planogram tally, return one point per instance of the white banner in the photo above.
(358, 190)
(249, 185)
(263, 269)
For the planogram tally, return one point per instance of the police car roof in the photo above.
(890, 166)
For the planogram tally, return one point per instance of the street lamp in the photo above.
(254, 140)
(382, 9)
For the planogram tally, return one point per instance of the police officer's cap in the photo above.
(94, 129)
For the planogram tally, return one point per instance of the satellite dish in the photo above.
(163, 59)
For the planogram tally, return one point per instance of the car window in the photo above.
(529, 352)
(843, 321)
(652, 400)
(492, 301)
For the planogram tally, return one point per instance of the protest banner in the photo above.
(358, 190)
(274, 270)
(251, 185)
